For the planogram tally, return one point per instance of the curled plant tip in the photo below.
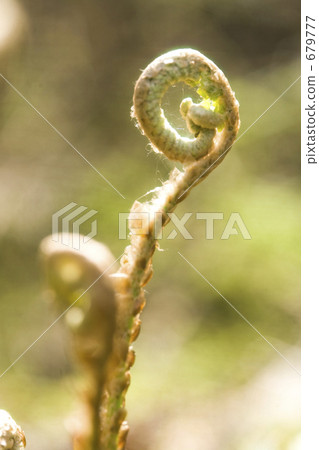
(81, 285)
(11, 434)
(209, 121)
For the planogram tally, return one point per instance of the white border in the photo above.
(309, 246)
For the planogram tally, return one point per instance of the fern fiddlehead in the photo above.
(214, 123)
(11, 435)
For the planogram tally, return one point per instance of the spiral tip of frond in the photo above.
(216, 113)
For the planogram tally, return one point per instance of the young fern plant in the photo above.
(102, 303)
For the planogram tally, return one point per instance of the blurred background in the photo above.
(203, 378)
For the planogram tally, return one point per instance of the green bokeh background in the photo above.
(203, 378)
